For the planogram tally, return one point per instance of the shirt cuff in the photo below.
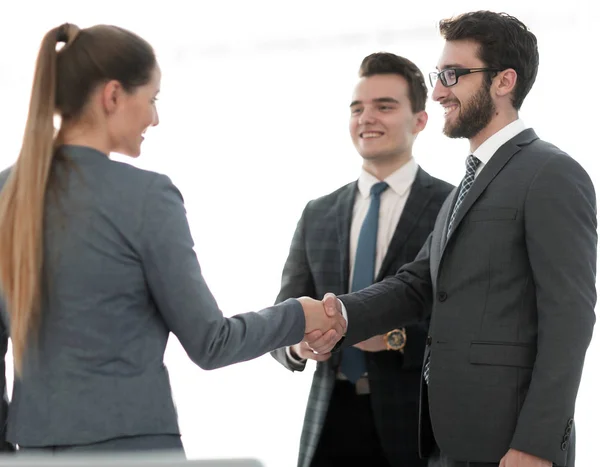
(344, 312)
(293, 359)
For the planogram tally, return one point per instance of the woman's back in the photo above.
(101, 340)
(120, 273)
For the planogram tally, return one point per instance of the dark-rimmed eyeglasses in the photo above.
(449, 76)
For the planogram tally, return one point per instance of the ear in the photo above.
(111, 96)
(505, 82)
(420, 122)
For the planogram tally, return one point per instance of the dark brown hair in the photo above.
(504, 42)
(382, 63)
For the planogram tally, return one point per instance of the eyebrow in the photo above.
(452, 65)
(378, 100)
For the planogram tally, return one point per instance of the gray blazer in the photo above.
(318, 263)
(511, 295)
(120, 275)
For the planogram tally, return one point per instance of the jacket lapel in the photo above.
(488, 173)
(446, 211)
(417, 200)
(344, 210)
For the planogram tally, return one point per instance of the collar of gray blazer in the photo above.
(73, 150)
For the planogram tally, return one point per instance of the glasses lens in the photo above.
(433, 77)
(449, 77)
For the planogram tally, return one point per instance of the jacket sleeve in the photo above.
(561, 240)
(296, 281)
(184, 300)
(395, 302)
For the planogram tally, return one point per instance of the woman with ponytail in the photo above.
(97, 264)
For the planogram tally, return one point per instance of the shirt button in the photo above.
(442, 296)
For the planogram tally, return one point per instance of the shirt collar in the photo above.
(489, 147)
(399, 181)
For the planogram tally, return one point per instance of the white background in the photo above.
(254, 114)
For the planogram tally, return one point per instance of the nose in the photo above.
(366, 117)
(439, 91)
(155, 118)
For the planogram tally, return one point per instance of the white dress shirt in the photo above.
(391, 206)
(392, 203)
(489, 147)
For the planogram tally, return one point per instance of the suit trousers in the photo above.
(349, 436)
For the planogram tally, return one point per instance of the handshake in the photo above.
(325, 326)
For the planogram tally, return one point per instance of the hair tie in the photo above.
(67, 33)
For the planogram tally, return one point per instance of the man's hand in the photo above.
(331, 304)
(322, 343)
(373, 344)
(514, 458)
(324, 327)
(304, 352)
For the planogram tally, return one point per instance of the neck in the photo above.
(78, 135)
(384, 168)
(499, 121)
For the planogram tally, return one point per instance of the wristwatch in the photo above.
(395, 340)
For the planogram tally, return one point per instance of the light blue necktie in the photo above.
(353, 360)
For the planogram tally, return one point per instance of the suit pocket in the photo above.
(492, 214)
(502, 354)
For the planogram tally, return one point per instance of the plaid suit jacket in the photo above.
(318, 262)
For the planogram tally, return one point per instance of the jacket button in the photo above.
(570, 423)
(442, 296)
(564, 446)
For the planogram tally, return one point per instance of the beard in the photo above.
(473, 117)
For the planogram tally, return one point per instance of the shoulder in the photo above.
(330, 200)
(4, 175)
(552, 162)
(142, 182)
(439, 186)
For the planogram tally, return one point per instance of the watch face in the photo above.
(396, 339)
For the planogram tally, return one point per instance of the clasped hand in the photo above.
(317, 344)
(325, 326)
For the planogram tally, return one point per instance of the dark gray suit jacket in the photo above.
(318, 263)
(511, 294)
(120, 275)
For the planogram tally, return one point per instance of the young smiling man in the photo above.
(507, 276)
(363, 405)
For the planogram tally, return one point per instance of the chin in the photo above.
(134, 153)
(370, 153)
(371, 156)
(452, 131)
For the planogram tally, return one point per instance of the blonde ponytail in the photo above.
(22, 201)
